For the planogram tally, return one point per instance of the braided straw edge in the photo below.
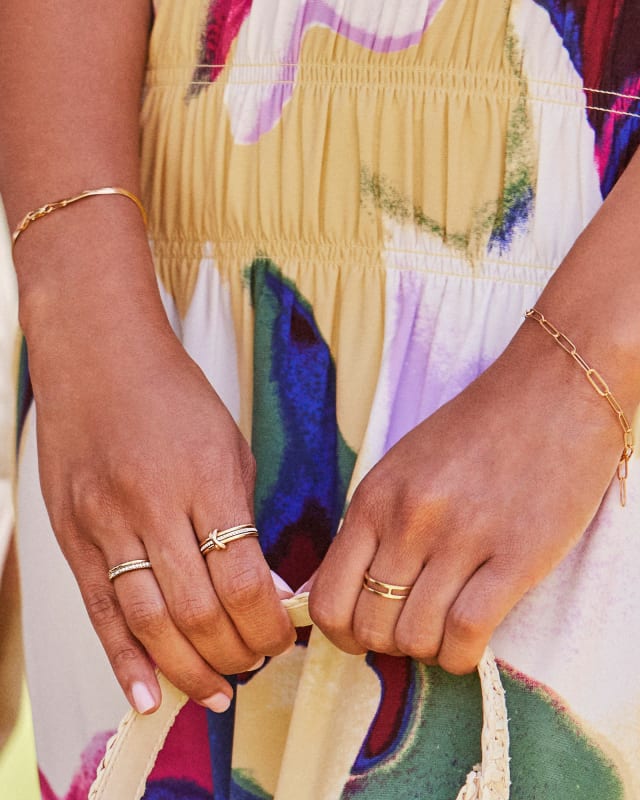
(488, 781)
(117, 762)
(491, 779)
(131, 726)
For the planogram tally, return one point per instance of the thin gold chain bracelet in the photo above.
(601, 387)
(49, 208)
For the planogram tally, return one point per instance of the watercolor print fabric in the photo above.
(351, 206)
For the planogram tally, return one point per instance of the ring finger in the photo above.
(420, 628)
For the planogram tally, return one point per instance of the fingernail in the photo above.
(142, 698)
(280, 583)
(218, 702)
(257, 665)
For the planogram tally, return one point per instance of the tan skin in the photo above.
(139, 456)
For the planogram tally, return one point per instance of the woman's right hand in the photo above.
(139, 458)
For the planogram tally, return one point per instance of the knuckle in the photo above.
(323, 615)
(88, 500)
(122, 655)
(464, 625)
(416, 647)
(103, 609)
(244, 588)
(196, 615)
(278, 641)
(134, 473)
(191, 681)
(147, 620)
(373, 639)
(368, 500)
(91, 495)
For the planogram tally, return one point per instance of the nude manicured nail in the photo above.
(142, 698)
(218, 702)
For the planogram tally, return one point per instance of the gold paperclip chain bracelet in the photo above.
(601, 387)
(49, 208)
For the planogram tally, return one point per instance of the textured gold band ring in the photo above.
(128, 566)
(218, 540)
(392, 591)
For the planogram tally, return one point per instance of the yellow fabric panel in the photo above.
(321, 219)
(18, 769)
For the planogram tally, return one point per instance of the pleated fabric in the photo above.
(352, 203)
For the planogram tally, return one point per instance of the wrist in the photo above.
(608, 342)
(543, 367)
(560, 373)
(87, 261)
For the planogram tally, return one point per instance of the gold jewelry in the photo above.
(128, 566)
(391, 591)
(32, 216)
(218, 540)
(600, 385)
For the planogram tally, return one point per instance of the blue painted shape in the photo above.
(304, 464)
(175, 789)
(220, 730)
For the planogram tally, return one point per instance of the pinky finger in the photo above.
(480, 607)
(130, 663)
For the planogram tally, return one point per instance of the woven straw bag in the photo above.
(132, 751)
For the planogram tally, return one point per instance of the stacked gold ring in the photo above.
(392, 591)
(218, 540)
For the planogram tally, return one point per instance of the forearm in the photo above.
(71, 78)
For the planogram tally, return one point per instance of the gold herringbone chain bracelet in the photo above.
(601, 387)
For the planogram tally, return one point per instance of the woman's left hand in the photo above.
(471, 509)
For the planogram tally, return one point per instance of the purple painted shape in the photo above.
(319, 12)
(427, 362)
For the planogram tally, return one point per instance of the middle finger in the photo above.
(376, 615)
(193, 603)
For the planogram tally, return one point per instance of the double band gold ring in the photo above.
(392, 591)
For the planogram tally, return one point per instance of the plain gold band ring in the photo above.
(392, 591)
(128, 566)
(218, 540)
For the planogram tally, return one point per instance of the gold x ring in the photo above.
(218, 540)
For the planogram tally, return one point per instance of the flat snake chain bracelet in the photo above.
(601, 387)
(49, 208)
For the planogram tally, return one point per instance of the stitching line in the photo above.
(351, 67)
